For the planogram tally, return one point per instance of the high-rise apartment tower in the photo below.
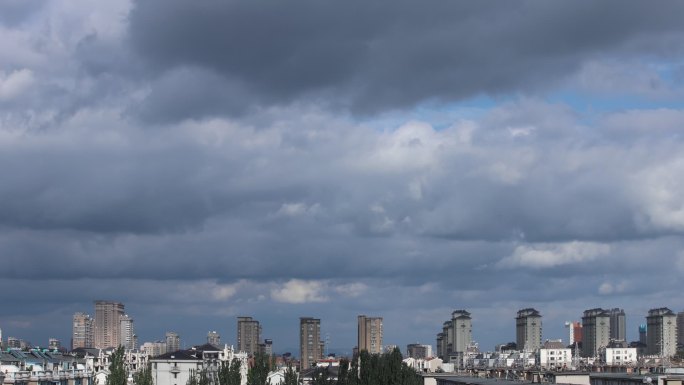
(310, 344)
(108, 324)
(595, 331)
(248, 335)
(528, 330)
(661, 332)
(618, 324)
(172, 342)
(82, 331)
(370, 334)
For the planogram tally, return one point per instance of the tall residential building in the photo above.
(617, 324)
(528, 330)
(248, 335)
(172, 342)
(108, 324)
(595, 331)
(82, 335)
(213, 338)
(127, 334)
(310, 344)
(680, 328)
(370, 334)
(661, 332)
(456, 336)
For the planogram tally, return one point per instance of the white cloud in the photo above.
(547, 255)
(607, 288)
(15, 83)
(297, 209)
(300, 291)
(353, 289)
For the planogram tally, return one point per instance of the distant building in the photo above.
(370, 334)
(248, 335)
(107, 324)
(553, 354)
(619, 356)
(418, 351)
(14, 343)
(528, 329)
(617, 324)
(456, 336)
(154, 349)
(575, 332)
(309, 342)
(595, 331)
(266, 347)
(661, 334)
(172, 342)
(680, 328)
(213, 338)
(54, 344)
(642, 334)
(82, 335)
(127, 333)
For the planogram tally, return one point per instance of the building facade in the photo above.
(310, 344)
(370, 334)
(618, 324)
(619, 356)
(595, 331)
(127, 333)
(213, 338)
(528, 330)
(248, 335)
(680, 328)
(107, 329)
(456, 337)
(418, 351)
(172, 341)
(82, 335)
(661, 332)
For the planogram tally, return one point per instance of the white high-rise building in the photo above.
(595, 331)
(661, 332)
(127, 333)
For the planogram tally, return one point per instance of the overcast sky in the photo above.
(200, 160)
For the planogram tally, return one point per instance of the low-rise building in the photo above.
(619, 356)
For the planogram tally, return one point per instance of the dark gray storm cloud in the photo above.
(200, 160)
(371, 56)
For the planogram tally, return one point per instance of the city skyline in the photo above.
(202, 161)
(343, 348)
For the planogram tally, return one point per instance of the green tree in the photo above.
(321, 376)
(199, 378)
(118, 375)
(258, 372)
(229, 373)
(143, 376)
(290, 376)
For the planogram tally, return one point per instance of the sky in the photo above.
(203, 160)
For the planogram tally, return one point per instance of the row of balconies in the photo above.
(43, 376)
